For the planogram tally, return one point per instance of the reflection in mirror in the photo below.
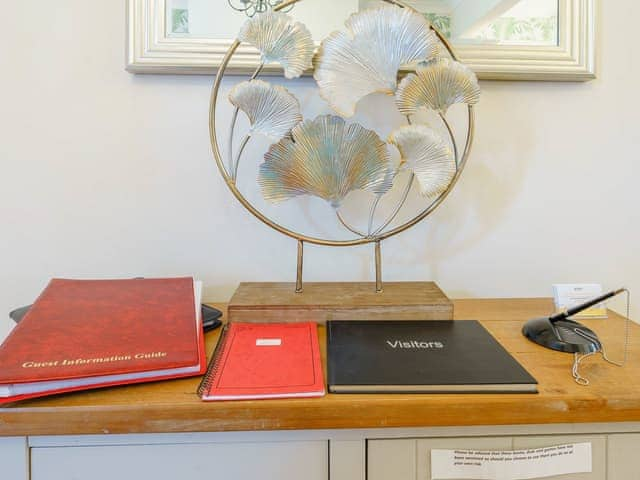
(503, 22)
(477, 22)
(216, 19)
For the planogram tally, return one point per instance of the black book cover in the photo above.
(420, 356)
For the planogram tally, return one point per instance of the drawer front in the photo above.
(598, 452)
(266, 461)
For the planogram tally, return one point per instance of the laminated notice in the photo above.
(511, 464)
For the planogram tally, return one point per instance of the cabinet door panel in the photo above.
(598, 452)
(14, 458)
(411, 459)
(391, 459)
(624, 451)
(467, 443)
(347, 460)
(266, 461)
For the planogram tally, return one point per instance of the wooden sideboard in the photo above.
(150, 430)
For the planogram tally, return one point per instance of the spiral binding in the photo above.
(212, 369)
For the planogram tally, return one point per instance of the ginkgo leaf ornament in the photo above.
(425, 153)
(327, 158)
(272, 110)
(281, 40)
(367, 58)
(437, 85)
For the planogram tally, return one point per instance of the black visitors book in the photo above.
(448, 356)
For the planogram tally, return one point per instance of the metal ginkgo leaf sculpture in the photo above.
(368, 57)
(329, 157)
(427, 156)
(272, 111)
(280, 40)
(437, 85)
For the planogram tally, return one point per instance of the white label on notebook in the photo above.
(511, 464)
(268, 342)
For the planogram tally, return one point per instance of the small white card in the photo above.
(268, 342)
(511, 464)
(567, 295)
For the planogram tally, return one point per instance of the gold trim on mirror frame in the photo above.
(150, 50)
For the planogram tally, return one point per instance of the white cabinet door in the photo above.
(598, 452)
(623, 457)
(264, 461)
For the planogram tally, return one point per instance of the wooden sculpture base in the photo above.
(278, 302)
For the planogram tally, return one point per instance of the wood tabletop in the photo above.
(173, 406)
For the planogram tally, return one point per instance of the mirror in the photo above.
(500, 39)
(493, 22)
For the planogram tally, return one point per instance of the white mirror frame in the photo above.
(151, 50)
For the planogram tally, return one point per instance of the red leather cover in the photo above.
(85, 328)
(265, 360)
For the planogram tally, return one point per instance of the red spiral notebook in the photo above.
(82, 334)
(265, 360)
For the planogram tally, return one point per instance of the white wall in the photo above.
(109, 174)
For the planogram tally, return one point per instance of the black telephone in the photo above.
(559, 333)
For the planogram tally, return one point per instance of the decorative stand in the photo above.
(328, 157)
(319, 302)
